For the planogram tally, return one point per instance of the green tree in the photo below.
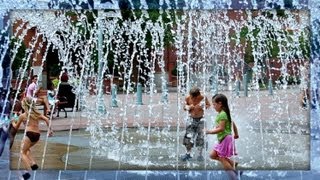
(20, 55)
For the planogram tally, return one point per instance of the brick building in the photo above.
(34, 41)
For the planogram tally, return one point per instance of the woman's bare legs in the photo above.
(26, 144)
(25, 153)
(31, 160)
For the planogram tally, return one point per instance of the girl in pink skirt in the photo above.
(225, 149)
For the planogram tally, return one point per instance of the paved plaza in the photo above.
(274, 134)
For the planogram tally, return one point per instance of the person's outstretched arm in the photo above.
(21, 119)
(235, 130)
(14, 126)
(217, 129)
(46, 119)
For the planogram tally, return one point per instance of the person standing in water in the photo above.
(224, 126)
(195, 103)
(32, 118)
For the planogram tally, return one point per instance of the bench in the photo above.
(65, 105)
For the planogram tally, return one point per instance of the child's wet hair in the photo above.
(220, 98)
(194, 91)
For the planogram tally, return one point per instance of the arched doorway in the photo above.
(53, 64)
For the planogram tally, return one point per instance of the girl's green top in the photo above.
(222, 116)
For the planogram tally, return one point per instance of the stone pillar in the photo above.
(270, 87)
(139, 94)
(245, 84)
(114, 96)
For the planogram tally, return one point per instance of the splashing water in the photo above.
(258, 45)
(204, 47)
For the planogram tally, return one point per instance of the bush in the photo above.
(291, 80)
(19, 58)
(55, 82)
(174, 71)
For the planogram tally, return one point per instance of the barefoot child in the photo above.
(195, 103)
(32, 118)
(225, 149)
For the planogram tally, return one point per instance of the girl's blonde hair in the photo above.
(30, 107)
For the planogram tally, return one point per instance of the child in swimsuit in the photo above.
(32, 118)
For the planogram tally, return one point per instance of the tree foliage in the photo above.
(20, 55)
(271, 38)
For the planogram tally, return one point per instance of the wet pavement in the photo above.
(274, 137)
